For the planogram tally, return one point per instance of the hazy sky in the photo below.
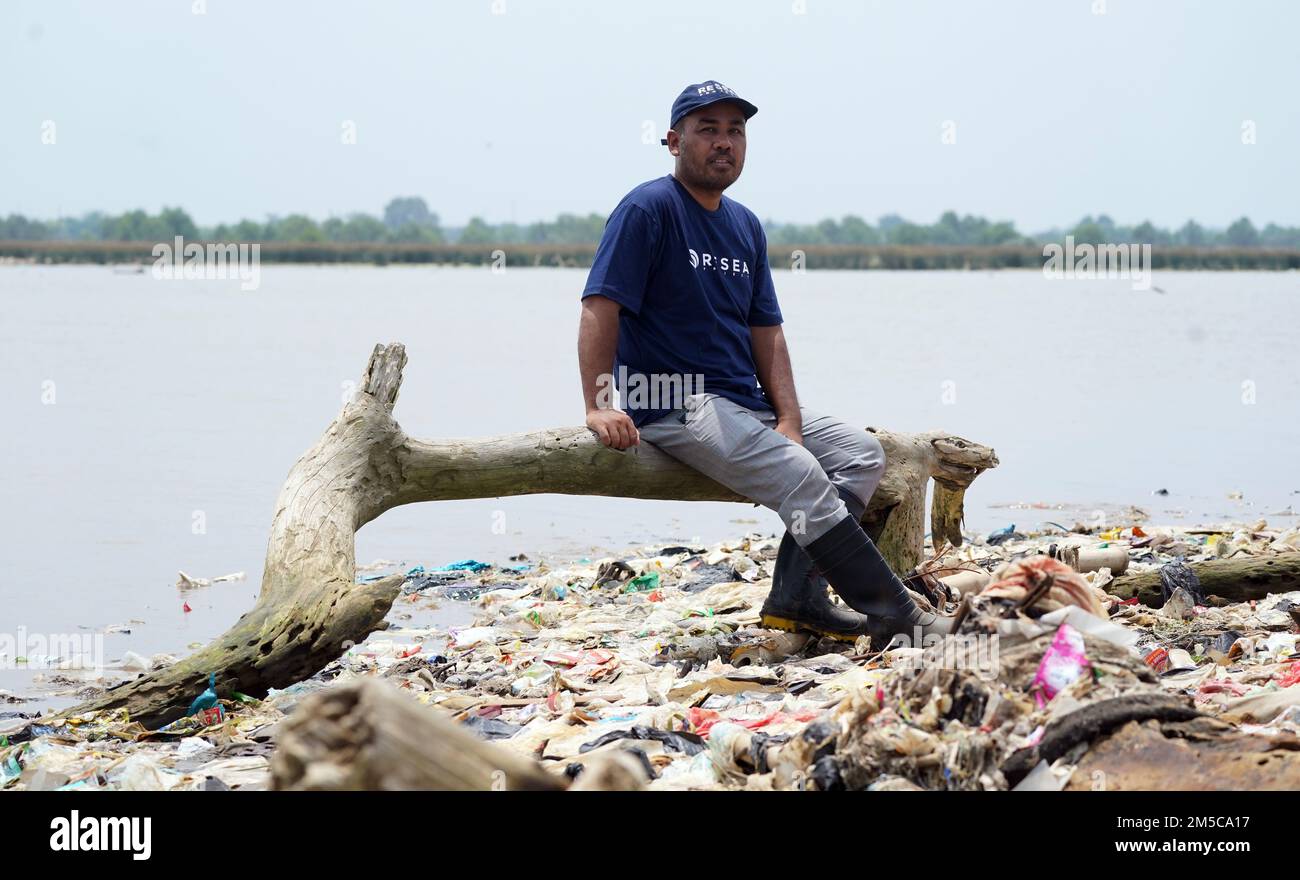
(553, 106)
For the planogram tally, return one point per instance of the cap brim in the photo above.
(748, 108)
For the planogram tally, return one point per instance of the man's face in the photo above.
(711, 146)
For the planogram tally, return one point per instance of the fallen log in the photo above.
(365, 736)
(1094, 721)
(311, 609)
(1241, 579)
(1164, 757)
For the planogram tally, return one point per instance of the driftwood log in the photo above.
(311, 609)
(1242, 579)
(1094, 721)
(1199, 755)
(366, 736)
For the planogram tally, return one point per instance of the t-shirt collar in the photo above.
(686, 193)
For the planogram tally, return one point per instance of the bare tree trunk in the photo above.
(311, 609)
(895, 517)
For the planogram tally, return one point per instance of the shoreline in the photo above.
(809, 257)
(554, 658)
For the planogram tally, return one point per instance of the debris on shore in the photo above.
(1056, 680)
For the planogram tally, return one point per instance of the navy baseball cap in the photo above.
(698, 95)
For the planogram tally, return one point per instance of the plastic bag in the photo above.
(1062, 665)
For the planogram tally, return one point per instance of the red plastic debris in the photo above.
(1158, 659)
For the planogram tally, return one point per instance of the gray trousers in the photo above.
(738, 448)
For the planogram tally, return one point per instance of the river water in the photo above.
(149, 423)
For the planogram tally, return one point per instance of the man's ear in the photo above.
(673, 141)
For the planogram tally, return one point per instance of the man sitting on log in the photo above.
(680, 314)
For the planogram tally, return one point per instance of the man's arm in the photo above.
(597, 342)
(772, 363)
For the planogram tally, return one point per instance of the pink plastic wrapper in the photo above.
(1062, 665)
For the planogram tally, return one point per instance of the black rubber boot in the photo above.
(798, 601)
(863, 579)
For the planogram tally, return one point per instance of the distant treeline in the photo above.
(971, 231)
(810, 257)
(405, 221)
(408, 221)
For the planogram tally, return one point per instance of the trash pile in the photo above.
(1051, 681)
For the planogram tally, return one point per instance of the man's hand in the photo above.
(772, 365)
(613, 427)
(792, 428)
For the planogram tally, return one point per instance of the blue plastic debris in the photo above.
(207, 699)
(1003, 534)
(464, 565)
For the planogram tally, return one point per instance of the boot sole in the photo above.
(786, 624)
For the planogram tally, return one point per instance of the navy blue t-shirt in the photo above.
(691, 283)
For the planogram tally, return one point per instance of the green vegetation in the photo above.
(409, 221)
(408, 232)
(405, 221)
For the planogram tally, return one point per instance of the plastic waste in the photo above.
(676, 673)
(643, 583)
(1003, 534)
(686, 743)
(1062, 665)
(1179, 606)
(1290, 677)
(1177, 575)
(186, 582)
(1157, 659)
(133, 662)
(464, 565)
(207, 699)
(141, 772)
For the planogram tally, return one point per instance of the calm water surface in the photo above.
(186, 401)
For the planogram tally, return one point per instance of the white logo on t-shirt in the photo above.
(732, 265)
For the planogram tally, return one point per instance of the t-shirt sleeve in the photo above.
(763, 308)
(625, 257)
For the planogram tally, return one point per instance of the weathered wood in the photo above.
(895, 517)
(1188, 756)
(1094, 721)
(311, 609)
(365, 736)
(1237, 580)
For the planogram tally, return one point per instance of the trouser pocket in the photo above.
(694, 405)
